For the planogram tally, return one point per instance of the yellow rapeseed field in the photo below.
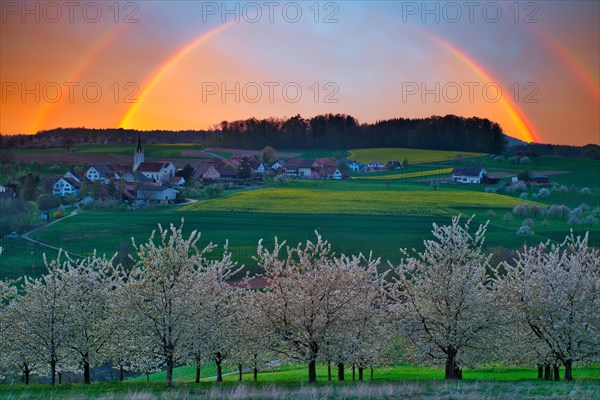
(414, 156)
(307, 201)
(407, 175)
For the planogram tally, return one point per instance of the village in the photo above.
(147, 182)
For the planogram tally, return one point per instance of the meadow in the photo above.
(377, 214)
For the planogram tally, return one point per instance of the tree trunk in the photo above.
(568, 370)
(121, 373)
(547, 374)
(372, 373)
(218, 361)
(540, 368)
(60, 378)
(340, 371)
(53, 372)
(240, 372)
(312, 371)
(329, 370)
(198, 371)
(556, 371)
(255, 367)
(26, 373)
(170, 370)
(360, 372)
(353, 371)
(86, 371)
(147, 376)
(452, 369)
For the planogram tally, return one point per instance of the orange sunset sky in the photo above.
(531, 66)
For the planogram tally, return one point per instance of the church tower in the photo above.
(138, 156)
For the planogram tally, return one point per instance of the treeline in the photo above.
(445, 306)
(323, 131)
(589, 151)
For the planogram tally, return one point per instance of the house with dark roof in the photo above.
(161, 171)
(102, 173)
(299, 168)
(468, 174)
(66, 187)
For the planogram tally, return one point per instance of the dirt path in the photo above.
(27, 236)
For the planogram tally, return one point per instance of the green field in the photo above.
(414, 156)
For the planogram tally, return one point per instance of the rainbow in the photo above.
(157, 75)
(77, 72)
(587, 78)
(525, 128)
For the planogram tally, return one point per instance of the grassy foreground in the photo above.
(346, 390)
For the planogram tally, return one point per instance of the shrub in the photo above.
(214, 191)
(520, 209)
(528, 222)
(524, 196)
(520, 186)
(491, 190)
(525, 230)
(544, 193)
(590, 220)
(57, 214)
(586, 191)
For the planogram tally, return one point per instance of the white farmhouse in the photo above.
(158, 171)
(102, 173)
(468, 174)
(66, 187)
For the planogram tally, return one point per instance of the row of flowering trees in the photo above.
(445, 305)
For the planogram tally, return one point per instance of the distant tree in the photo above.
(507, 217)
(499, 158)
(590, 220)
(245, 170)
(339, 155)
(46, 202)
(545, 223)
(520, 209)
(187, 172)
(535, 210)
(29, 190)
(268, 154)
(525, 230)
(281, 178)
(586, 191)
(84, 188)
(68, 142)
(513, 160)
(434, 185)
(405, 163)
(524, 160)
(96, 190)
(596, 212)
(524, 175)
(491, 214)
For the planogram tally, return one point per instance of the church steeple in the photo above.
(138, 155)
